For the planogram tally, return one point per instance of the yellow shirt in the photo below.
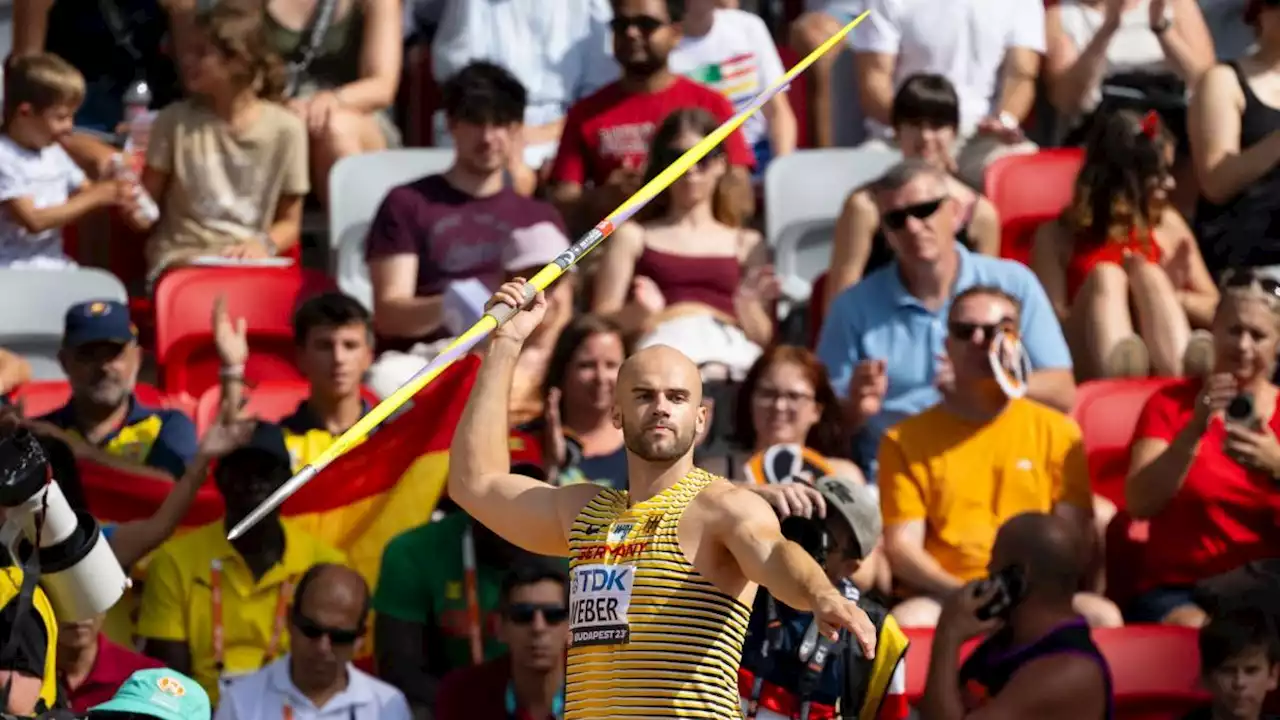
(177, 601)
(964, 478)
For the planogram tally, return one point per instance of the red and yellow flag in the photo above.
(382, 487)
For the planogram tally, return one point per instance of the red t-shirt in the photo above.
(611, 128)
(113, 666)
(478, 692)
(1223, 515)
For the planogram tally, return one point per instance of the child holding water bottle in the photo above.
(228, 166)
(41, 189)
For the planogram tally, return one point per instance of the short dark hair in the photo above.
(484, 93)
(926, 99)
(529, 569)
(580, 329)
(331, 309)
(1234, 632)
(675, 9)
(986, 291)
(897, 177)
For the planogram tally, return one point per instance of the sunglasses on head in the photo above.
(523, 613)
(314, 631)
(646, 24)
(1245, 277)
(963, 331)
(897, 219)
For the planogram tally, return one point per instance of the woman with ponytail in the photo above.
(1121, 266)
(228, 166)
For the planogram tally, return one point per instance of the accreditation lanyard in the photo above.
(219, 639)
(471, 590)
(287, 713)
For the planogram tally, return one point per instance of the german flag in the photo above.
(380, 488)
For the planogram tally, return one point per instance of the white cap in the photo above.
(533, 246)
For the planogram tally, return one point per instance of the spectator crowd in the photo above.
(1086, 390)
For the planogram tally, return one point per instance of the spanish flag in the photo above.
(382, 487)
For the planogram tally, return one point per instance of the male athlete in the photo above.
(663, 575)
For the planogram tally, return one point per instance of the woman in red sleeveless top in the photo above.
(686, 273)
(1121, 267)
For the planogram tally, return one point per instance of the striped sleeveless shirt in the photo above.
(652, 638)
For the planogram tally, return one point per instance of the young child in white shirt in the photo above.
(41, 188)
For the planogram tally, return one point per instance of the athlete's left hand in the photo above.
(835, 612)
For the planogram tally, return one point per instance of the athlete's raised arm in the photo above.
(748, 528)
(527, 512)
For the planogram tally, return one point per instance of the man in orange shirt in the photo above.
(952, 475)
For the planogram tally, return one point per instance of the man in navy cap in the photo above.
(103, 421)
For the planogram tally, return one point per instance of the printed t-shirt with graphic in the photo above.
(1222, 516)
(611, 129)
(455, 236)
(737, 58)
(224, 186)
(421, 581)
(162, 439)
(965, 479)
(48, 177)
(178, 600)
(305, 434)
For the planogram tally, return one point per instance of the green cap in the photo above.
(160, 693)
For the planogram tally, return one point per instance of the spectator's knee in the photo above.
(345, 132)
(1098, 611)
(1106, 279)
(917, 612)
(1189, 615)
(811, 30)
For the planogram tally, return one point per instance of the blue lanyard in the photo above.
(557, 704)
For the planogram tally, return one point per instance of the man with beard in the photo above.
(316, 679)
(528, 681)
(216, 609)
(103, 421)
(606, 135)
(662, 575)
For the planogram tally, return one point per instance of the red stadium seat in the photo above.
(1125, 544)
(273, 400)
(1028, 190)
(1107, 411)
(919, 653)
(817, 309)
(41, 397)
(1155, 670)
(264, 297)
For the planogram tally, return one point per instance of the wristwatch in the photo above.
(1008, 120)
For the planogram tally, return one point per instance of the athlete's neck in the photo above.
(1032, 621)
(646, 479)
(536, 689)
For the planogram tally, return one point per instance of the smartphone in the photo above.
(1011, 586)
(1240, 412)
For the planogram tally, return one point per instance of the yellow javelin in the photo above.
(547, 275)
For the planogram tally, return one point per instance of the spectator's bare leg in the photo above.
(1161, 320)
(348, 133)
(1104, 511)
(1186, 616)
(1098, 611)
(921, 612)
(1102, 324)
(808, 32)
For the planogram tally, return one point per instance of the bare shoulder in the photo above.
(860, 201)
(728, 502)
(1221, 83)
(628, 238)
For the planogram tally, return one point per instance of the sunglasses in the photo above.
(523, 613)
(1245, 277)
(667, 156)
(963, 331)
(646, 24)
(314, 631)
(897, 219)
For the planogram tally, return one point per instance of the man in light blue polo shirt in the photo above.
(882, 341)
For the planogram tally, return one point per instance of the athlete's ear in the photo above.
(617, 417)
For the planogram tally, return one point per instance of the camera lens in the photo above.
(24, 469)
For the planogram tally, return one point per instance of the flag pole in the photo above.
(499, 314)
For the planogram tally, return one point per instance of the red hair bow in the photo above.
(1150, 124)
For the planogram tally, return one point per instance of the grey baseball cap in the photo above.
(858, 504)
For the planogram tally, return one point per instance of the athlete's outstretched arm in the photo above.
(747, 526)
(527, 512)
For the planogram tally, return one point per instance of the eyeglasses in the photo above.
(963, 331)
(1244, 277)
(523, 613)
(768, 396)
(897, 219)
(314, 631)
(646, 24)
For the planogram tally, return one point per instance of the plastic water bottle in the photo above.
(147, 207)
(137, 100)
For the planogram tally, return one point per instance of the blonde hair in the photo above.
(42, 81)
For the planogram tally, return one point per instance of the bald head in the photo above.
(1047, 546)
(332, 589)
(658, 403)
